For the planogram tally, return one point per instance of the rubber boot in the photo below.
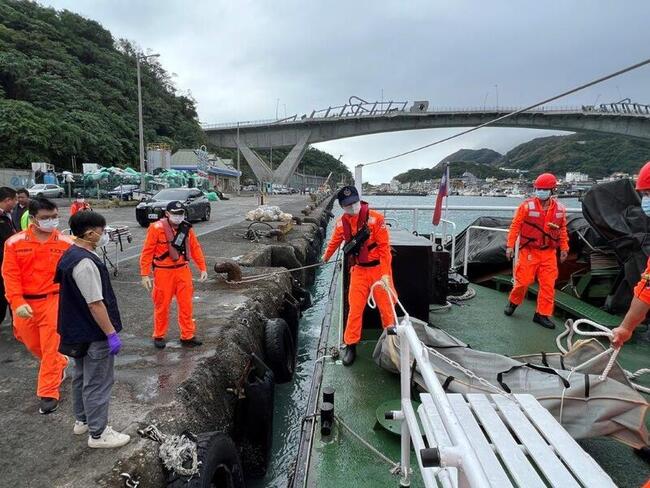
(543, 320)
(510, 309)
(191, 342)
(159, 342)
(350, 354)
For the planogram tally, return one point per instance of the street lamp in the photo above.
(139, 57)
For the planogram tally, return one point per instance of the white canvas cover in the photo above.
(580, 401)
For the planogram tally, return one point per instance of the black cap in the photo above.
(175, 207)
(347, 196)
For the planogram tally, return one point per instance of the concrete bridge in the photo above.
(359, 117)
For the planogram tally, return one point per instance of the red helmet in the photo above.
(545, 181)
(643, 181)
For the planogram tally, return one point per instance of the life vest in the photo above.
(172, 252)
(360, 258)
(538, 232)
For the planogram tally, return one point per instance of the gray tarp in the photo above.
(591, 407)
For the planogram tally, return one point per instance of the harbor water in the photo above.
(291, 398)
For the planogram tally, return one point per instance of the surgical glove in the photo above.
(510, 252)
(114, 343)
(620, 335)
(385, 279)
(204, 276)
(146, 283)
(563, 256)
(25, 312)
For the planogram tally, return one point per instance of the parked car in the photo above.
(46, 190)
(123, 192)
(196, 204)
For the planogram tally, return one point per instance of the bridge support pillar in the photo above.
(258, 166)
(291, 162)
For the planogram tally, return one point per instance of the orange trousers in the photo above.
(41, 339)
(361, 279)
(167, 284)
(540, 264)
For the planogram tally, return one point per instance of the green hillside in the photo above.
(67, 87)
(456, 170)
(596, 155)
(481, 156)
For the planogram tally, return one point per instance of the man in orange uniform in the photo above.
(80, 203)
(28, 269)
(540, 226)
(368, 248)
(169, 246)
(640, 305)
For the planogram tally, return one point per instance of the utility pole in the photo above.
(138, 57)
(238, 168)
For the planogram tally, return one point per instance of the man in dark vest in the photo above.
(7, 229)
(89, 323)
(368, 249)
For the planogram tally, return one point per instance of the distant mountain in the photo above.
(456, 170)
(593, 154)
(480, 156)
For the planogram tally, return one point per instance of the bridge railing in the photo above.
(378, 109)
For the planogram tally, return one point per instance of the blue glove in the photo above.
(114, 343)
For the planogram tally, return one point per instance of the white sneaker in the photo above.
(80, 427)
(109, 439)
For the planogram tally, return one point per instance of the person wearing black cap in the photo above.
(168, 248)
(367, 247)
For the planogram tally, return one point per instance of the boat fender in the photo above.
(254, 419)
(290, 313)
(219, 464)
(279, 350)
(303, 297)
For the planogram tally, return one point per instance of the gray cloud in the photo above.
(239, 57)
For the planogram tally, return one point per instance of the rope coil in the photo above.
(175, 450)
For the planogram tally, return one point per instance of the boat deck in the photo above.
(363, 387)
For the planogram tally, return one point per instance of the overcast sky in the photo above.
(239, 57)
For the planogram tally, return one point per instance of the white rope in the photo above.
(174, 450)
(601, 331)
(468, 295)
(264, 276)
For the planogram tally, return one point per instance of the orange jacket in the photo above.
(29, 265)
(378, 235)
(549, 216)
(76, 206)
(156, 245)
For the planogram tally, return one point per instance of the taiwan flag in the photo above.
(442, 192)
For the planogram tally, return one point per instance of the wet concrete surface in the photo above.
(177, 389)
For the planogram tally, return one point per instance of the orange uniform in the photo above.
(542, 233)
(76, 206)
(642, 289)
(170, 278)
(28, 271)
(363, 277)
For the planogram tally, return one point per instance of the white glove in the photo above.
(510, 252)
(203, 277)
(147, 283)
(386, 280)
(25, 312)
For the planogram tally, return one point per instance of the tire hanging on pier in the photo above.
(219, 464)
(279, 350)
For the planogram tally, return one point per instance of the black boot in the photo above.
(350, 354)
(159, 342)
(510, 309)
(543, 320)
(191, 342)
(47, 405)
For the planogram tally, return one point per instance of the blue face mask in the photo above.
(645, 205)
(543, 194)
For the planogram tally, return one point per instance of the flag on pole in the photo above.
(442, 192)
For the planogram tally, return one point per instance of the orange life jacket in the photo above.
(172, 252)
(539, 231)
(362, 258)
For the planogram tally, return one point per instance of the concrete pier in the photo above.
(176, 389)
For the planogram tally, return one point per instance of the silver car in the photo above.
(46, 190)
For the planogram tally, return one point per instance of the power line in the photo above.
(503, 117)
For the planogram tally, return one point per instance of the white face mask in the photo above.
(103, 240)
(353, 209)
(48, 225)
(81, 200)
(176, 219)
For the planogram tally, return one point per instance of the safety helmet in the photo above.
(643, 181)
(545, 181)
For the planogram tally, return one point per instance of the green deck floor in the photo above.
(361, 388)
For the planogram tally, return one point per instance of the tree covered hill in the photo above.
(456, 170)
(67, 87)
(480, 156)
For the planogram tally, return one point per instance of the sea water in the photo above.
(291, 398)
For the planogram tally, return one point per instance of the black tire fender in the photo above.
(220, 465)
(303, 297)
(291, 313)
(279, 350)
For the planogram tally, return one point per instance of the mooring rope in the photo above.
(264, 276)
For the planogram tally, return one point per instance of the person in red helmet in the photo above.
(640, 305)
(540, 226)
